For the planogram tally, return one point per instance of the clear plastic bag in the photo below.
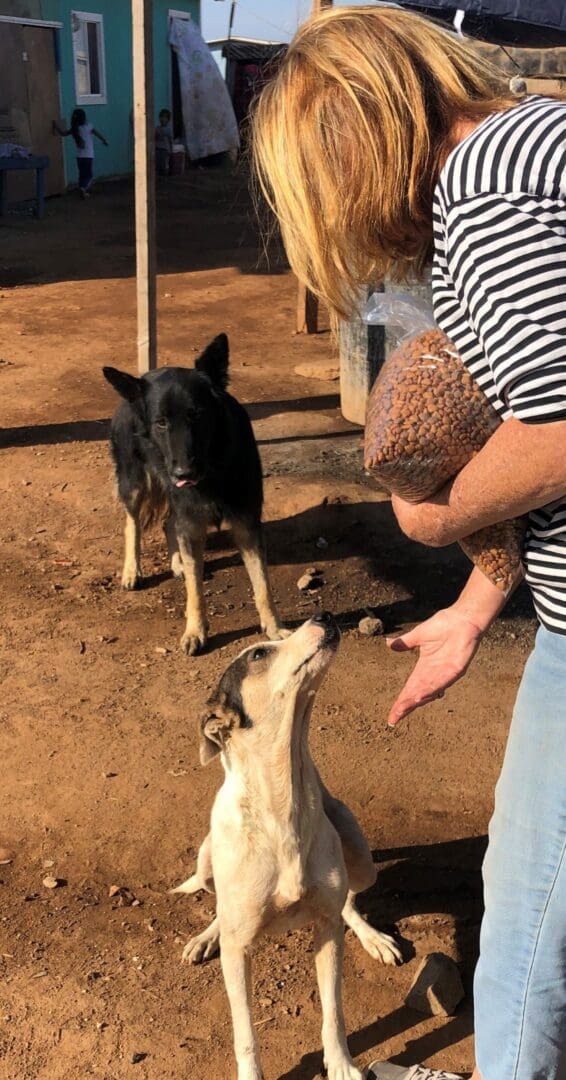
(426, 419)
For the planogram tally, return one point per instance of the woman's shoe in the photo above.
(385, 1070)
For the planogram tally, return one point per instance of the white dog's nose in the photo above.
(327, 622)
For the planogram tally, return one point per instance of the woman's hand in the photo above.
(447, 644)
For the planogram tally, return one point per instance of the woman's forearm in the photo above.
(522, 467)
(481, 601)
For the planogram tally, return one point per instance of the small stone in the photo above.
(311, 579)
(50, 882)
(370, 626)
(437, 987)
(122, 895)
(161, 650)
(137, 1057)
(48, 864)
(6, 856)
(321, 370)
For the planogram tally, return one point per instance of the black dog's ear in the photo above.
(126, 385)
(214, 361)
(216, 727)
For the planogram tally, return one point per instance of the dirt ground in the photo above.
(101, 784)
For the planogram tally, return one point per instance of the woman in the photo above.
(382, 140)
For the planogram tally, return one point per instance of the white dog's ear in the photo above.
(215, 728)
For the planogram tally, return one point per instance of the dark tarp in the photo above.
(550, 13)
(527, 23)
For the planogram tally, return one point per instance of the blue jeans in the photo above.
(520, 983)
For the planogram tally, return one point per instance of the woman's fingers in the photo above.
(413, 695)
(446, 643)
(406, 642)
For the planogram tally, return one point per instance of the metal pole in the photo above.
(231, 21)
(142, 39)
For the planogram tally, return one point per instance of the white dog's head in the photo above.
(268, 688)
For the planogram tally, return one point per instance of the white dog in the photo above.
(281, 851)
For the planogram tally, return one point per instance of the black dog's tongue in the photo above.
(181, 483)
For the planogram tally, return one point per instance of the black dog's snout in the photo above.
(324, 617)
(181, 470)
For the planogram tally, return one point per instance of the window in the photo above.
(88, 52)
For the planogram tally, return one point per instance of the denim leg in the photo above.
(520, 983)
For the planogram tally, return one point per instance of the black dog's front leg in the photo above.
(170, 529)
(131, 573)
(191, 551)
(250, 543)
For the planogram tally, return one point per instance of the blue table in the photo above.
(10, 164)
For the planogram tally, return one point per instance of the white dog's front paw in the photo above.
(200, 948)
(381, 946)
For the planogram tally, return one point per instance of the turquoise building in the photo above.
(57, 56)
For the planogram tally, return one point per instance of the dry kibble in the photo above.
(426, 419)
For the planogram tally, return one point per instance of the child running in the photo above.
(82, 133)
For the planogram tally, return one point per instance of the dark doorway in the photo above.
(176, 102)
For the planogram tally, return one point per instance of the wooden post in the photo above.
(142, 39)
(307, 311)
(307, 304)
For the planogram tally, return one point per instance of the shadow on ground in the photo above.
(414, 881)
(205, 220)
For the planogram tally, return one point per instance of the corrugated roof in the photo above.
(220, 43)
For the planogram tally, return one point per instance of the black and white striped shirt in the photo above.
(499, 289)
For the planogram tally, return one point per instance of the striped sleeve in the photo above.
(506, 254)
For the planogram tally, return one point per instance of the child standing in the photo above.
(163, 143)
(82, 133)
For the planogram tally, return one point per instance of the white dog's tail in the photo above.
(190, 886)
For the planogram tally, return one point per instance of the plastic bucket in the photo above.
(177, 163)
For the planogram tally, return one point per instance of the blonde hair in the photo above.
(350, 136)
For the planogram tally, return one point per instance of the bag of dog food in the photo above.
(426, 419)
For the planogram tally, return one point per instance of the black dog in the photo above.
(185, 453)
